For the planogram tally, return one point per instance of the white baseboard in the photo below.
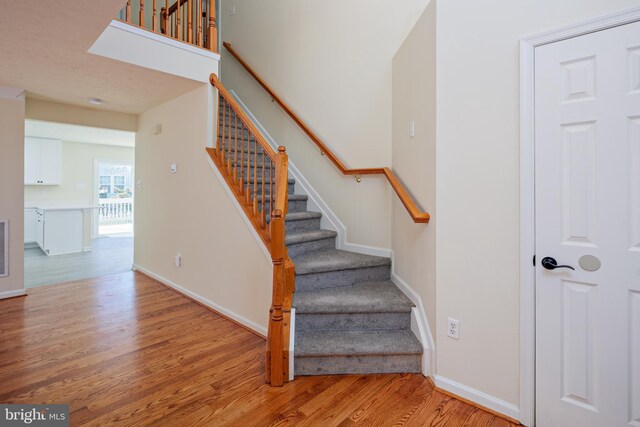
(11, 294)
(419, 325)
(478, 397)
(292, 343)
(261, 330)
(329, 219)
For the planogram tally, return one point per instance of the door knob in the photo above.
(551, 264)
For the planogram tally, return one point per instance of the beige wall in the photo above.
(414, 159)
(49, 111)
(477, 269)
(77, 174)
(190, 212)
(11, 188)
(331, 61)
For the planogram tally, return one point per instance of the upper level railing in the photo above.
(190, 21)
(416, 214)
(258, 177)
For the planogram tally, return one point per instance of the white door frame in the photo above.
(527, 194)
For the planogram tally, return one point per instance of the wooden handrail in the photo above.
(414, 211)
(249, 198)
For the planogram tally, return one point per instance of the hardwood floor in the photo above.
(125, 350)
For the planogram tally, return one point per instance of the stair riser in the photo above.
(332, 279)
(229, 128)
(352, 321)
(332, 365)
(232, 141)
(267, 189)
(294, 205)
(249, 156)
(303, 225)
(309, 247)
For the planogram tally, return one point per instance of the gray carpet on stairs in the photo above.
(350, 318)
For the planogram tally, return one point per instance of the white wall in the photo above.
(414, 159)
(331, 61)
(11, 190)
(477, 265)
(190, 213)
(77, 187)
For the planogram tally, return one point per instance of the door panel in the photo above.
(588, 203)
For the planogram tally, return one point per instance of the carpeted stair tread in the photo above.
(382, 297)
(309, 236)
(356, 343)
(301, 216)
(336, 260)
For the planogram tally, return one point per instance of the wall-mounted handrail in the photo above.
(414, 211)
(249, 166)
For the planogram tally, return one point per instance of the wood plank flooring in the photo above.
(125, 350)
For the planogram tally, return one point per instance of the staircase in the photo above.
(349, 317)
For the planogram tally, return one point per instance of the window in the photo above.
(118, 183)
(105, 186)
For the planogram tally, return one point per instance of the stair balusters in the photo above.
(193, 24)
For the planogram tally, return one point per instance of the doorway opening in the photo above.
(114, 190)
(78, 200)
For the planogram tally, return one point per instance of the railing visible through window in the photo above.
(190, 21)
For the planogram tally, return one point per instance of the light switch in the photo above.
(157, 129)
(174, 168)
(232, 10)
(412, 129)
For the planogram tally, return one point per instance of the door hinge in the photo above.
(534, 260)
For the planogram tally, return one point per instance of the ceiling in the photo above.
(77, 133)
(43, 50)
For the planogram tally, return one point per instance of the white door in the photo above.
(588, 212)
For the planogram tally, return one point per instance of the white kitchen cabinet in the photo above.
(63, 231)
(42, 161)
(30, 218)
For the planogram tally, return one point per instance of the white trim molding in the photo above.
(329, 219)
(12, 294)
(478, 397)
(259, 329)
(527, 191)
(143, 32)
(419, 324)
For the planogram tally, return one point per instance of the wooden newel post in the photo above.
(128, 14)
(212, 31)
(274, 354)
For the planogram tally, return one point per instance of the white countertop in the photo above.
(47, 206)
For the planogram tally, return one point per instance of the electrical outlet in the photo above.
(174, 168)
(453, 328)
(178, 260)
